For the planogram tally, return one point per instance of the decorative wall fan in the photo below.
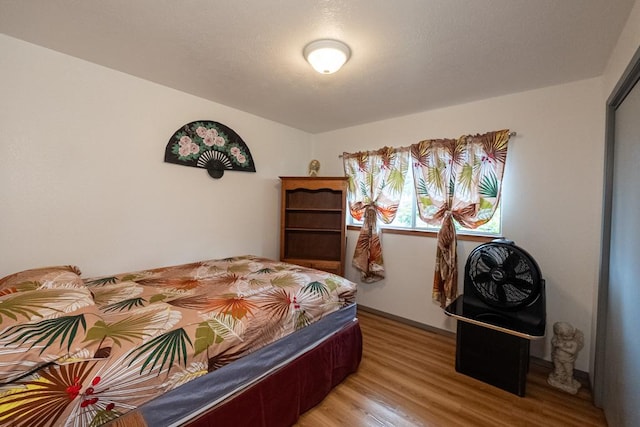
(209, 145)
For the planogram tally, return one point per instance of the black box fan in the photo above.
(501, 310)
(503, 286)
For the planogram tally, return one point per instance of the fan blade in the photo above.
(488, 260)
(502, 297)
(521, 284)
(482, 277)
(510, 263)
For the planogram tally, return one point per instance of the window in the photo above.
(407, 217)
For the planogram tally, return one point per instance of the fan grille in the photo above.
(503, 275)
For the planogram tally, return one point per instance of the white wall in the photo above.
(627, 45)
(551, 204)
(83, 181)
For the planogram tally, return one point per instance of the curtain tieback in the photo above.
(370, 215)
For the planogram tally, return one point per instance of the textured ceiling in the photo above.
(407, 55)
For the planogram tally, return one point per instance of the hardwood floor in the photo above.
(407, 378)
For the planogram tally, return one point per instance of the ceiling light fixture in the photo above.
(326, 56)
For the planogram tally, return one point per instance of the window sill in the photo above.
(433, 234)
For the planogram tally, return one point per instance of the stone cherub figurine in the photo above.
(314, 168)
(567, 341)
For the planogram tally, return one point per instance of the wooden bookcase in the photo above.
(312, 222)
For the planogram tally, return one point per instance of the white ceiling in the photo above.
(407, 55)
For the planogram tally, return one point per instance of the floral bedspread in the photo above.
(80, 352)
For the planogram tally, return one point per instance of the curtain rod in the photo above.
(511, 134)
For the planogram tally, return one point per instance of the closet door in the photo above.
(618, 340)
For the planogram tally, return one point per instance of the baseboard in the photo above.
(579, 375)
(406, 321)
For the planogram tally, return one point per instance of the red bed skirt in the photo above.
(280, 398)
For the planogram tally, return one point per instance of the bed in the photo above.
(236, 341)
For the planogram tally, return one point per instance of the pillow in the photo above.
(67, 276)
(45, 315)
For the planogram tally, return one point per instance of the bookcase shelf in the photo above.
(312, 222)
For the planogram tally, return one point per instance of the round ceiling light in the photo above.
(327, 56)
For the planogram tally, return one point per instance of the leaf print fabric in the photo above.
(375, 181)
(86, 355)
(43, 326)
(457, 180)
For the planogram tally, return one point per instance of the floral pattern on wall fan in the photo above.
(375, 181)
(209, 145)
(457, 180)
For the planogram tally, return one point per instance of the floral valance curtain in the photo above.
(375, 181)
(457, 179)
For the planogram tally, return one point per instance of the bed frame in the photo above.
(281, 397)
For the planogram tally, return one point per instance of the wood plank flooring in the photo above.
(407, 378)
